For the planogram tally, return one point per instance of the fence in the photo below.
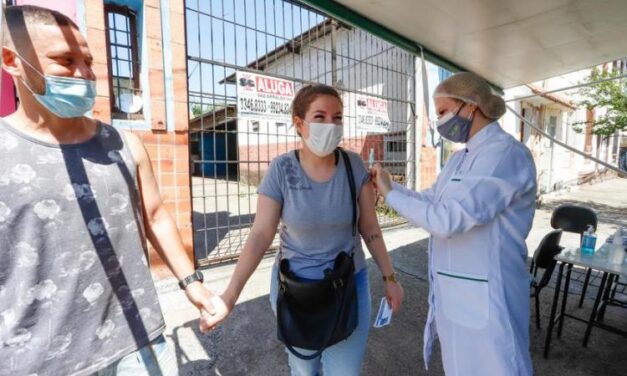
(286, 40)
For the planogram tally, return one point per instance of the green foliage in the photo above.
(611, 95)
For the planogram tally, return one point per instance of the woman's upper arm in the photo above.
(368, 215)
(267, 217)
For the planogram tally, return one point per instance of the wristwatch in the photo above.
(390, 278)
(196, 276)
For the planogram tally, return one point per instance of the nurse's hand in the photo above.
(394, 294)
(382, 179)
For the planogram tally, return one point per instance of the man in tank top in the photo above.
(78, 199)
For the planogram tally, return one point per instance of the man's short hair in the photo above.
(15, 32)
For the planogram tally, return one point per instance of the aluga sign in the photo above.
(264, 97)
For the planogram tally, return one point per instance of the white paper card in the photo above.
(384, 317)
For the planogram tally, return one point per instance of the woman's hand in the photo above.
(394, 294)
(381, 179)
(208, 321)
(212, 308)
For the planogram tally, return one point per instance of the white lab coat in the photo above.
(478, 213)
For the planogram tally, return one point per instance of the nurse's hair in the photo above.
(471, 88)
(307, 94)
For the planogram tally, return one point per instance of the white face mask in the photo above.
(324, 138)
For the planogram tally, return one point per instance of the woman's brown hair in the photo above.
(307, 94)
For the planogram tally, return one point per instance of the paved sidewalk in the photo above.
(246, 344)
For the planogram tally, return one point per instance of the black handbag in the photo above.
(316, 315)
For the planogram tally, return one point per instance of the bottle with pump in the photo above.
(589, 241)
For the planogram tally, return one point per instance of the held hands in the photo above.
(381, 179)
(213, 309)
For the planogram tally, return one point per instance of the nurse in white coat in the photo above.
(478, 212)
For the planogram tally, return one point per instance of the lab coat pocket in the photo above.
(465, 298)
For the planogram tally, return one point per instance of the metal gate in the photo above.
(289, 40)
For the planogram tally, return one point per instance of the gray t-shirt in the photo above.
(75, 290)
(316, 218)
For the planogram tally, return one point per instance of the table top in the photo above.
(601, 260)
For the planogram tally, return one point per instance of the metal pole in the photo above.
(411, 135)
(417, 129)
(2, 41)
(564, 145)
(333, 54)
(567, 88)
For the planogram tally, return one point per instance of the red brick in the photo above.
(153, 3)
(155, 53)
(181, 138)
(172, 194)
(165, 153)
(150, 137)
(94, 14)
(102, 109)
(177, 28)
(182, 167)
(181, 152)
(181, 120)
(158, 114)
(153, 20)
(185, 207)
(166, 166)
(177, 6)
(157, 88)
(102, 79)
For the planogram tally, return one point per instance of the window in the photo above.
(396, 146)
(124, 68)
(552, 126)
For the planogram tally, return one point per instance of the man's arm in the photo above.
(161, 229)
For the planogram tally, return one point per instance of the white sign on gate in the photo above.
(372, 114)
(262, 97)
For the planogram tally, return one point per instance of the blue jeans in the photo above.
(343, 358)
(144, 362)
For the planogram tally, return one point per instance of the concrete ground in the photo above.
(246, 343)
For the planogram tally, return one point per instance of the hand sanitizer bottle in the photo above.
(589, 242)
(617, 254)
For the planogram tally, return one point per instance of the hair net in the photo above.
(471, 88)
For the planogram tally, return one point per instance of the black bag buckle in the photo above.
(338, 284)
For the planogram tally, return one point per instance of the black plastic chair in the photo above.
(575, 219)
(544, 258)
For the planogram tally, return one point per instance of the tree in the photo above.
(611, 95)
(198, 110)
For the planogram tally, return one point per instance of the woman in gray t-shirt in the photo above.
(307, 190)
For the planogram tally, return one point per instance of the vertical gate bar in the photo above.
(226, 133)
(237, 130)
(213, 132)
(202, 136)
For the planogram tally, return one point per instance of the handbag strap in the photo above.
(351, 184)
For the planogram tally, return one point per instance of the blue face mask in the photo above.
(454, 127)
(66, 97)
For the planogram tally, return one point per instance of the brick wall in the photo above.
(168, 150)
